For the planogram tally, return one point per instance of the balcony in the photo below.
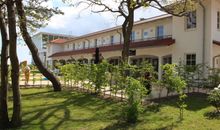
(139, 43)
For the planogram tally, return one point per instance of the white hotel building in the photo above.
(163, 39)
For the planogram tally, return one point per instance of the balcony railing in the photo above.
(132, 41)
(138, 43)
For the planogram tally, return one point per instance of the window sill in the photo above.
(190, 29)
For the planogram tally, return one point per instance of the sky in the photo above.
(78, 21)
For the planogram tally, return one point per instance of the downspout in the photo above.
(204, 31)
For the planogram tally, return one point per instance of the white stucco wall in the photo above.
(215, 9)
(191, 40)
(105, 38)
(37, 39)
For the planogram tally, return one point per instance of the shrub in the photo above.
(214, 99)
(135, 92)
(175, 82)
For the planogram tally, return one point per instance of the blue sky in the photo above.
(78, 22)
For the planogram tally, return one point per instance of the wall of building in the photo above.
(37, 39)
(105, 38)
(190, 41)
(215, 9)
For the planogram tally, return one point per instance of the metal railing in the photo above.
(132, 41)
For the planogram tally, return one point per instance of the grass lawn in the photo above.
(69, 110)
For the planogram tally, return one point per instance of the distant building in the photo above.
(41, 40)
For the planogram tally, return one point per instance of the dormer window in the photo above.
(191, 20)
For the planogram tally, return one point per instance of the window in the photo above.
(45, 38)
(103, 41)
(74, 46)
(218, 20)
(96, 42)
(68, 46)
(55, 37)
(44, 46)
(191, 20)
(84, 45)
(132, 36)
(145, 35)
(160, 31)
(167, 60)
(50, 38)
(112, 39)
(191, 59)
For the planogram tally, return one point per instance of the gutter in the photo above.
(204, 30)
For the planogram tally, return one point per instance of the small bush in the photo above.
(132, 112)
(214, 99)
(135, 92)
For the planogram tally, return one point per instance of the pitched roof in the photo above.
(54, 34)
(58, 41)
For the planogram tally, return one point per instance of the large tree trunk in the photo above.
(127, 30)
(16, 116)
(34, 51)
(4, 119)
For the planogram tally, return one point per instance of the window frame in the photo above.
(158, 29)
(112, 39)
(133, 36)
(74, 46)
(186, 21)
(192, 61)
(96, 42)
(145, 34)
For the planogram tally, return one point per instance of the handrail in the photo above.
(132, 41)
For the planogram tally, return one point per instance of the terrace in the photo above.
(166, 40)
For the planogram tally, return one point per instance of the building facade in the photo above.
(41, 40)
(192, 39)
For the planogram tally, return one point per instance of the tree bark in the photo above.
(34, 51)
(16, 116)
(127, 30)
(4, 119)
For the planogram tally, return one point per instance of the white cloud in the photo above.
(77, 21)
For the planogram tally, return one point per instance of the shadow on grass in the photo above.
(43, 113)
(120, 125)
(194, 101)
(212, 115)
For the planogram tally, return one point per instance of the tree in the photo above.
(23, 23)
(172, 79)
(37, 15)
(4, 119)
(126, 9)
(16, 116)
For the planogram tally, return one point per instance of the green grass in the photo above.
(69, 110)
